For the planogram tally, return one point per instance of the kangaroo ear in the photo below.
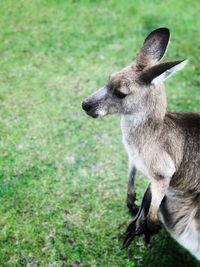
(161, 72)
(154, 47)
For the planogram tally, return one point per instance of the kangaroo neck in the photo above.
(141, 122)
(151, 113)
(136, 125)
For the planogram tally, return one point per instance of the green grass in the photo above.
(63, 174)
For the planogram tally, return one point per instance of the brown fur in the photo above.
(164, 146)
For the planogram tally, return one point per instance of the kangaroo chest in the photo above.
(132, 148)
(144, 152)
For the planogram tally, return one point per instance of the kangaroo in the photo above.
(164, 146)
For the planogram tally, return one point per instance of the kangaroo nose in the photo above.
(86, 106)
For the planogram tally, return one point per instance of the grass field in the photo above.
(63, 174)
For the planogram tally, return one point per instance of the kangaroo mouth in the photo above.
(92, 114)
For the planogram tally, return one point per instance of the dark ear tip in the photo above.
(161, 31)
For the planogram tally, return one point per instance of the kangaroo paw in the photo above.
(141, 225)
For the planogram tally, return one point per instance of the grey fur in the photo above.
(164, 146)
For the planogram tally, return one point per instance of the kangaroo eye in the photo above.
(119, 94)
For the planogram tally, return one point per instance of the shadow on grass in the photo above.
(166, 252)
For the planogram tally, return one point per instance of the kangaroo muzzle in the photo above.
(94, 104)
(90, 109)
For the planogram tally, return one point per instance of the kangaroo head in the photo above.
(128, 91)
